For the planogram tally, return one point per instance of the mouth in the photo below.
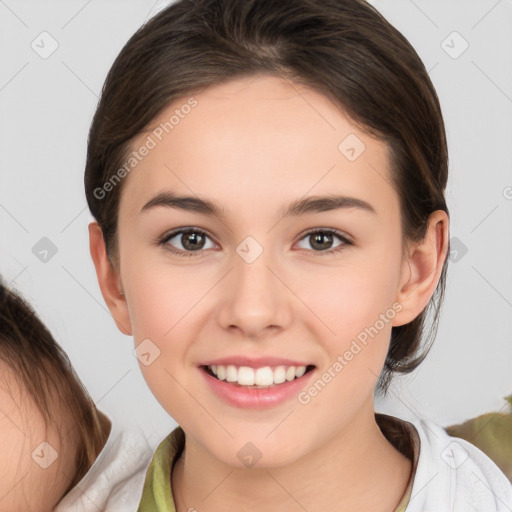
(256, 378)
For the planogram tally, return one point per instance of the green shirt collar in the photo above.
(157, 495)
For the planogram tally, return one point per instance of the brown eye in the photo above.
(185, 242)
(321, 241)
(192, 241)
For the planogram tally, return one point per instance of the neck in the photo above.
(356, 469)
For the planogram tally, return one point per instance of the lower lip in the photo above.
(254, 398)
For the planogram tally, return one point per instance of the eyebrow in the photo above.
(307, 205)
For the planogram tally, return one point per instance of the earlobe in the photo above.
(422, 269)
(108, 279)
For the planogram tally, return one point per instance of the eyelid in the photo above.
(346, 240)
(341, 234)
(343, 237)
(177, 231)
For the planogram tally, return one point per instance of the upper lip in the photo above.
(254, 362)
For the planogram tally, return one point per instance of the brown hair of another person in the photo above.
(43, 369)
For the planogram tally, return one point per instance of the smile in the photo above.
(262, 377)
(256, 388)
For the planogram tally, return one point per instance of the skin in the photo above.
(253, 146)
(24, 484)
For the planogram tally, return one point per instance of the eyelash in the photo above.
(188, 254)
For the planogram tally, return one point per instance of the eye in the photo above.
(192, 240)
(322, 239)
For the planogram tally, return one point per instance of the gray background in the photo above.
(46, 108)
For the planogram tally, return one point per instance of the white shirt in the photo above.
(453, 475)
(114, 482)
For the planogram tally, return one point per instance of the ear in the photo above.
(109, 280)
(422, 268)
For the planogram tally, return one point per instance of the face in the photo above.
(317, 287)
(36, 463)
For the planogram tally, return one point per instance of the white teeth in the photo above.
(231, 374)
(279, 375)
(265, 376)
(245, 376)
(290, 373)
(300, 371)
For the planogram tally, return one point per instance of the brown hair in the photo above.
(345, 50)
(43, 369)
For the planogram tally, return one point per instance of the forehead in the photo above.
(257, 140)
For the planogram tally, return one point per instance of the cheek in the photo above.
(351, 312)
(164, 293)
(33, 475)
(163, 303)
(347, 299)
(160, 297)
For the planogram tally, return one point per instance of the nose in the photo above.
(255, 300)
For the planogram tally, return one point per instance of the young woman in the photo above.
(58, 452)
(267, 180)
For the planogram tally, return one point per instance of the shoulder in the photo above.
(115, 480)
(454, 475)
